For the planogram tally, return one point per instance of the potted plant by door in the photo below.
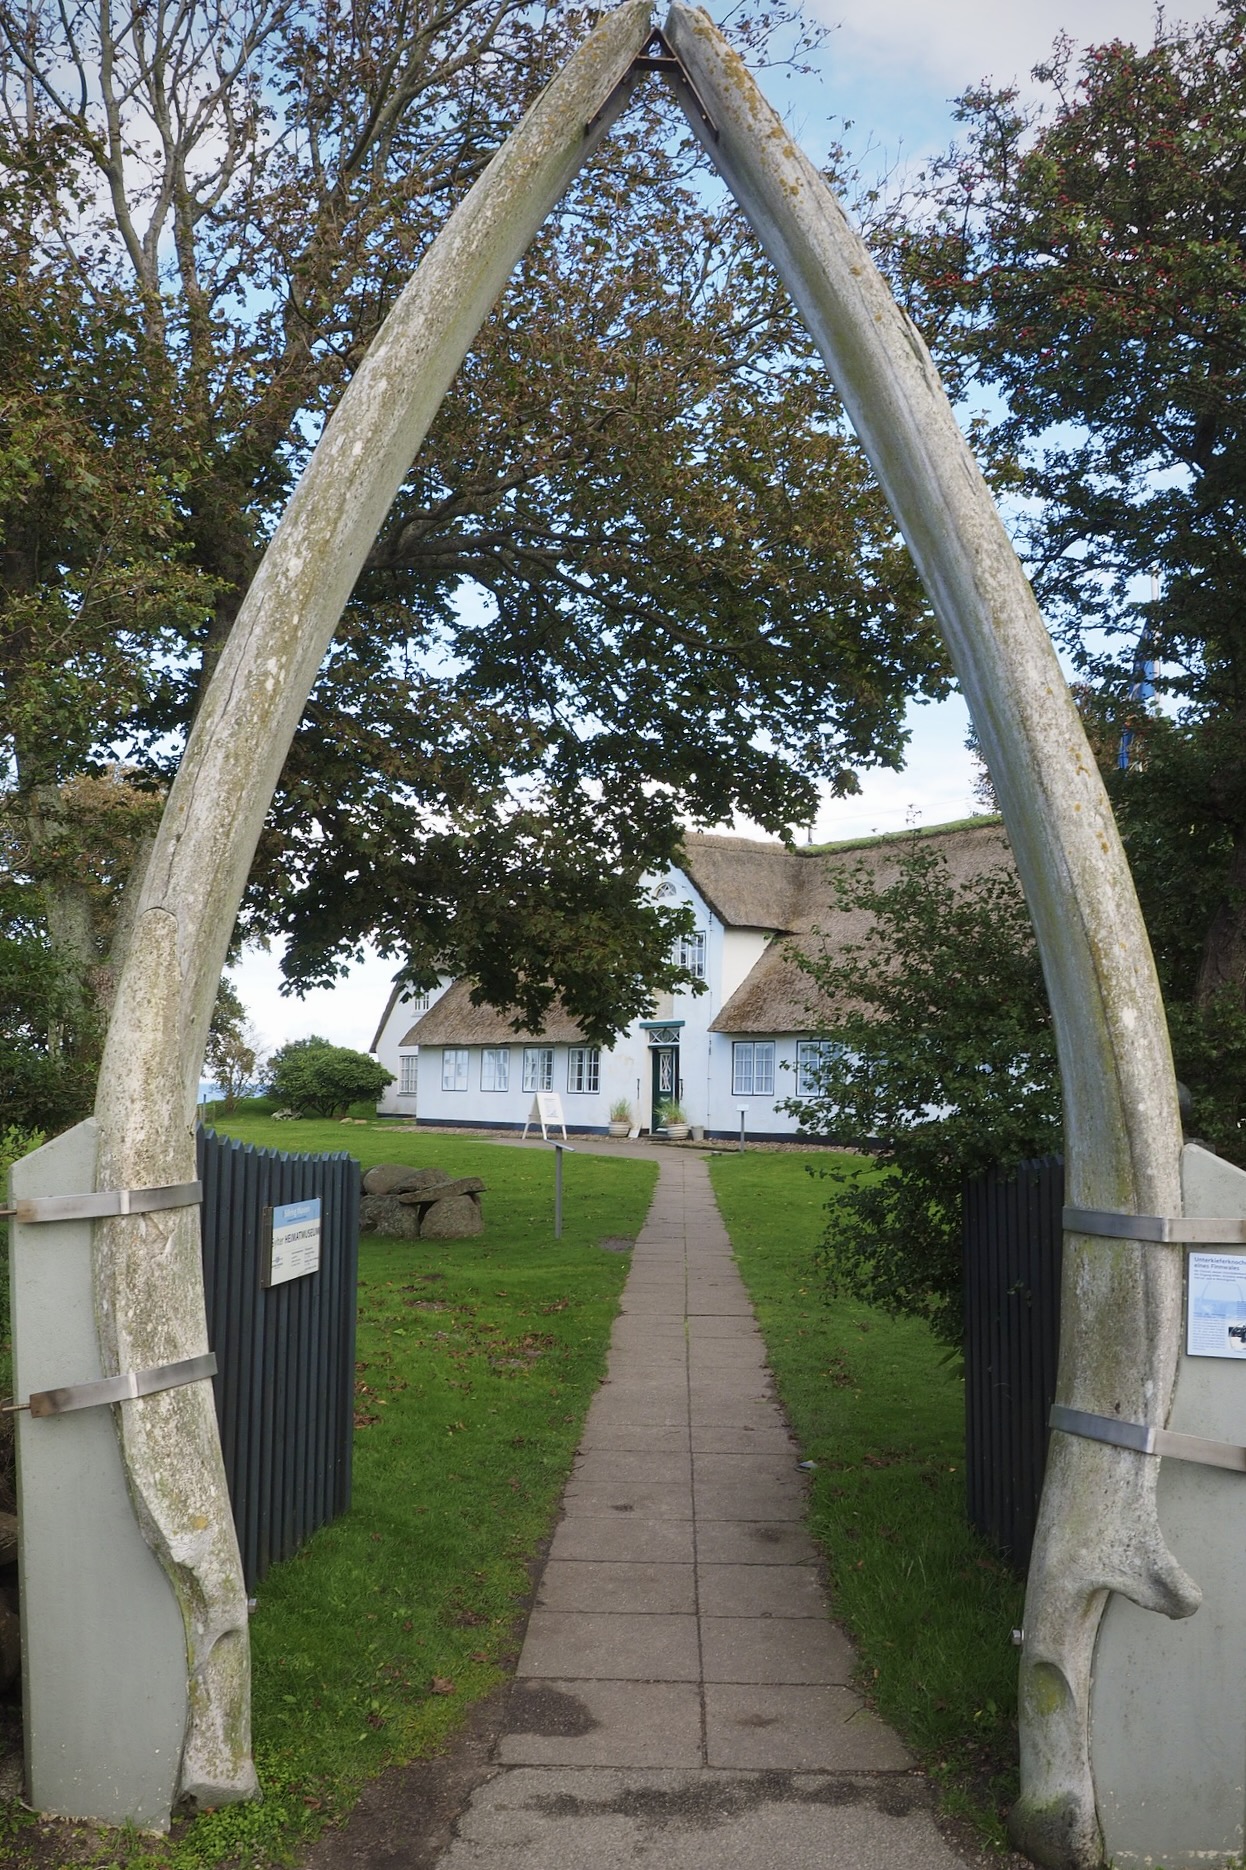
(620, 1117)
(673, 1122)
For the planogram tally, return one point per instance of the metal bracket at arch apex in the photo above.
(1177, 1230)
(105, 1203)
(656, 55)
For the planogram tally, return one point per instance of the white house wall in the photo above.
(742, 949)
(480, 1109)
(761, 1118)
(389, 1051)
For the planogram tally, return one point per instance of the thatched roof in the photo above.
(453, 1020)
(777, 996)
(748, 882)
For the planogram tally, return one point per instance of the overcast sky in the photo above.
(892, 67)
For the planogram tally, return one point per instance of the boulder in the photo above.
(393, 1178)
(458, 1218)
(383, 1214)
(444, 1191)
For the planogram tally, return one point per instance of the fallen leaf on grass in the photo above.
(442, 1685)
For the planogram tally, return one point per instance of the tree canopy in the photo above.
(1083, 259)
(689, 599)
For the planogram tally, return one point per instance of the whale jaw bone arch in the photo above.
(1098, 1528)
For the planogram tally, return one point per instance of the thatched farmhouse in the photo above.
(728, 1055)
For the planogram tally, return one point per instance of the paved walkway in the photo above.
(682, 1698)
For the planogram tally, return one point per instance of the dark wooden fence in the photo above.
(286, 1354)
(1013, 1253)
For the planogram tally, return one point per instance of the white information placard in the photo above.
(294, 1241)
(1216, 1305)
(546, 1110)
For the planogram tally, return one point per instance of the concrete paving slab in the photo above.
(614, 1585)
(727, 1364)
(601, 1468)
(727, 1389)
(760, 1591)
(738, 1353)
(625, 1364)
(622, 1536)
(753, 1542)
(577, 1723)
(771, 1437)
(636, 1437)
(626, 1646)
(797, 1728)
(705, 1415)
(648, 1379)
(725, 1499)
(599, 1819)
(653, 1409)
(742, 1470)
(774, 1649)
(648, 1337)
(647, 1502)
(703, 1329)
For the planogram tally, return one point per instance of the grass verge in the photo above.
(876, 1404)
(476, 1363)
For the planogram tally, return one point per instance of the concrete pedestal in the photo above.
(103, 1646)
(1168, 1704)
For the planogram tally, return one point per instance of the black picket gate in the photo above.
(1014, 1247)
(285, 1354)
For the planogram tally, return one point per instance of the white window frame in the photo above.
(408, 1073)
(454, 1064)
(690, 953)
(495, 1068)
(810, 1056)
(583, 1070)
(752, 1068)
(538, 1068)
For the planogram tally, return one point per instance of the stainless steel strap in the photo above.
(125, 1388)
(1144, 1439)
(105, 1202)
(1168, 1229)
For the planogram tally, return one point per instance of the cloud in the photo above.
(955, 44)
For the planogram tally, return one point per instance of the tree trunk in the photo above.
(68, 915)
(1223, 965)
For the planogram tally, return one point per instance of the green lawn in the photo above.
(880, 1408)
(476, 1363)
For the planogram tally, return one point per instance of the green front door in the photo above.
(665, 1078)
